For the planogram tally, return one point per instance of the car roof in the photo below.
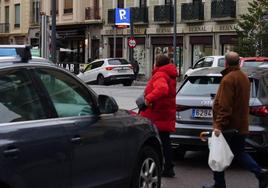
(252, 72)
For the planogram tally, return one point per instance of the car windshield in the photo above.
(254, 63)
(203, 84)
(118, 62)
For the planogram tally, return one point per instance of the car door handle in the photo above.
(76, 139)
(12, 152)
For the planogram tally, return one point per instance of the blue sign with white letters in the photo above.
(122, 16)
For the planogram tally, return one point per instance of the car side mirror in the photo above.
(191, 67)
(82, 70)
(107, 105)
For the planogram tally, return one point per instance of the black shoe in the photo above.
(215, 186)
(263, 179)
(168, 173)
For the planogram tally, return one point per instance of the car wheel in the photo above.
(127, 83)
(147, 172)
(100, 80)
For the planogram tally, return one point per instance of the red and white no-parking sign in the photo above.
(132, 42)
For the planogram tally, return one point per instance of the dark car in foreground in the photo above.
(194, 102)
(56, 132)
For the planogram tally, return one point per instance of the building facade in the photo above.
(79, 23)
(16, 19)
(204, 27)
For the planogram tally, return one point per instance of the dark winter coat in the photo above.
(231, 104)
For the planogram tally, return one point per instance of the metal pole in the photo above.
(53, 31)
(114, 42)
(131, 36)
(175, 32)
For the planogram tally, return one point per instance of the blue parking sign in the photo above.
(122, 16)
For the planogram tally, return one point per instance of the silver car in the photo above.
(194, 109)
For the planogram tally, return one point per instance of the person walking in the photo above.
(160, 94)
(232, 100)
(136, 68)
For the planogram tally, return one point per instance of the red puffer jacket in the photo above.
(161, 93)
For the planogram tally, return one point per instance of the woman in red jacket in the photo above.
(160, 95)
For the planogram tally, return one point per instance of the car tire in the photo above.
(100, 80)
(127, 83)
(148, 161)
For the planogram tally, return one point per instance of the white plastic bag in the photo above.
(220, 154)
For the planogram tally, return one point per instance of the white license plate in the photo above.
(202, 113)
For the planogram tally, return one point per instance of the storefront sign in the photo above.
(112, 32)
(201, 28)
(163, 30)
(138, 31)
(227, 27)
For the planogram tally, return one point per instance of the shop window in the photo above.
(227, 48)
(68, 6)
(200, 50)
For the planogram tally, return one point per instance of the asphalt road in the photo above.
(192, 171)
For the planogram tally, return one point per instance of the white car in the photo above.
(108, 71)
(207, 61)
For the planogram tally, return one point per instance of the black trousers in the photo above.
(237, 144)
(165, 139)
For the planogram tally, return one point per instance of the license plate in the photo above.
(122, 70)
(202, 113)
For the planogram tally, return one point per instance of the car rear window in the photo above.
(200, 86)
(253, 63)
(118, 62)
(205, 86)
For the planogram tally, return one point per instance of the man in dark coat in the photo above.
(231, 112)
(136, 68)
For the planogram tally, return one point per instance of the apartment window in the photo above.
(35, 11)
(17, 15)
(143, 3)
(68, 6)
(57, 8)
(6, 14)
(168, 2)
(120, 3)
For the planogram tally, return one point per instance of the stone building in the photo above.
(204, 27)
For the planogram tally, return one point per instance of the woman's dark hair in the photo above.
(162, 60)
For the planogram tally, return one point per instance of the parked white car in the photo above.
(207, 61)
(108, 71)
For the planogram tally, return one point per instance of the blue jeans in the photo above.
(237, 144)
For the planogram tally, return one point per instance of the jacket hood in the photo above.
(169, 69)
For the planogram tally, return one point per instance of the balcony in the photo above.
(223, 10)
(4, 27)
(140, 14)
(192, 12)
(92, 14)
(163, 13)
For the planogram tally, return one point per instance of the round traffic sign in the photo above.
(132, 42)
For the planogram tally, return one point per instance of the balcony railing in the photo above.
(4, 27)
(163, 13)
(140, 14)
(91, 14)
(192, 12)
(111, 16)
(223, 9)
